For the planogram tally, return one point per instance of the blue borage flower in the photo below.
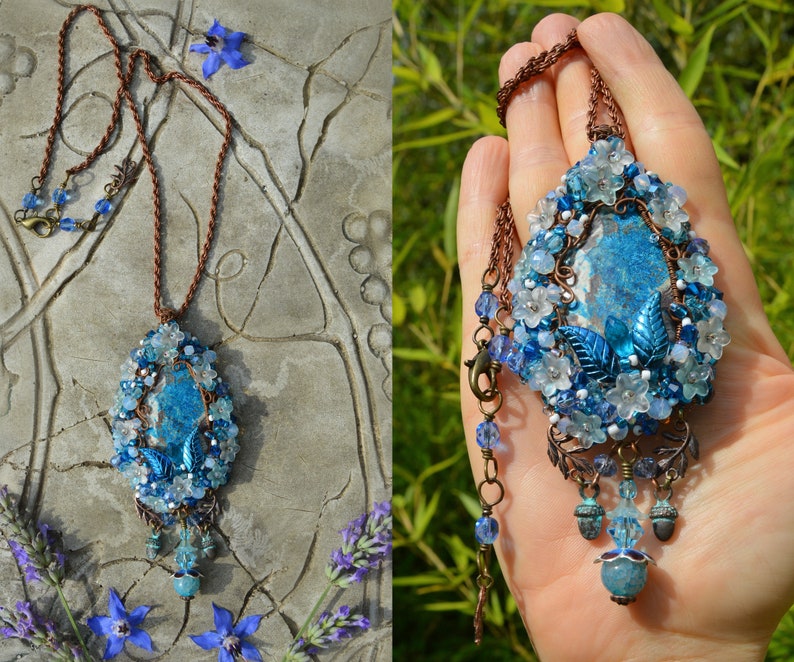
(228, 638)
(221, 47)
(165, 479)
(634, 375)
(121, 627)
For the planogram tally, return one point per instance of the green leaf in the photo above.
(421, 355)
(418, 297)
(398, 309)
(696, 65)
(424, 514)
(471, 504)
(431, 71)
(451, 221)
(723, 157)
(419, 580)
(615, 6)
(434, 141)
(464, 607)
(433, 119)
(676, 23)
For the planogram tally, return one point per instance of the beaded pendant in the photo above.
(174, 438)
(618, 325)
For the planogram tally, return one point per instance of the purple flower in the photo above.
(24, 623)
(229, 639)
(221, 46)
(120, 627)
(328, 629)
(365, 542)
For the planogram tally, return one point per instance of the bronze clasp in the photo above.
(41, 226)
(483, 364)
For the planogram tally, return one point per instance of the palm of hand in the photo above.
(723, 581)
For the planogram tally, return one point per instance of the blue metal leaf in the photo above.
(192, 453)
(648, 333)
(595, 356)
(159, 462)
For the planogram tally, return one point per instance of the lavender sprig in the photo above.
(366, 541)
(22, 622)
(33, 547)
(328, 629)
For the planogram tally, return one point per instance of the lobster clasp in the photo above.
(41, 226)
(483, 364)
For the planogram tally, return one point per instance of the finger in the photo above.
(670, 139)
(571, 83)
(537, 153)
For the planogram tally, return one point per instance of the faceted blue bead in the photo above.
(649, 427)
(102, 206)
(698, 245)
(575, 186)
(565, 401)
(645, 467)
(532, 351)
(623, 577)
(516, 362)
(30, 201)
(499, 347)
(627, 489)
(59, 196)
(625, 531)
(605, 465)
(554, 243)
(486, 304)
(631, 170)
(565, 203)
(689, 333)
(486, 530)
(67, 224)
(542, 262)
(488, 435)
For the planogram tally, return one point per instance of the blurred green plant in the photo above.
(735, 59)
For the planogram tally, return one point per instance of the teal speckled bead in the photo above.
(186, 585)
(624, 578)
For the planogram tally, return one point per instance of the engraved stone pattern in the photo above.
(295, 301)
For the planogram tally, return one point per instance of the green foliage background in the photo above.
(736, 60)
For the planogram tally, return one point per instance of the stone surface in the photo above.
(295, 301)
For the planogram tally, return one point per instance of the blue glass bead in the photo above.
(186, 585)
(59, 196)
(546, 323)
(627, 489)
(542, 262)
(645, 467)
(605, 465)
(604, 409)
(689, 333)
(102, 206)
(618, 336)
(565, 401)
(698, 245)
(67, 224)
(486, 530)
(30, 201)
(678, 310)
(499, 347)
(631, 170)
(565, 203)
(554, 243)
(516, 362)
(649, 426)
(623, 577)
(486, 304)
(488, 435)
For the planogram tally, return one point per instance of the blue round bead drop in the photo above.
(187, 586)
(486, 530)
(624, 578)
(487, 435)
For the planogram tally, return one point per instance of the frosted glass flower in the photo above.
(694, 377)
(129, 370)
(587, 429)
(205, 374)
(712, 337)
(229, 449)
(667, 213)
(601, 184)
(181, 487)
(126, 430)
(542, 217)
(551, 374)
(611, 153)
(221, 410)
(137, 474)
(628, 396)
(531, 306)
(218, 475)
(168, 336)
(698, 269)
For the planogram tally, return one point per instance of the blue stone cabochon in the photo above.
(174, 433)
(635, 318)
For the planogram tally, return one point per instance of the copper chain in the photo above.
(163, 313)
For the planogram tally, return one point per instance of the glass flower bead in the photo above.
(698, 269)
(531, 306)
(694, 378)
(629, 395)
(712, 337)
(587, 429)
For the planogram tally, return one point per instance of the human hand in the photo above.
(723, 581)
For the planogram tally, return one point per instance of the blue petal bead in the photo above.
(68, 224)
(486, 530)
(624, 578)
(59, 196)
(486, 304)
(499, 347)
(30, 201)
(487, 435)
(102, 206)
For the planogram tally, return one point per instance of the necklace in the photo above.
(174, 434)
(616, 322)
